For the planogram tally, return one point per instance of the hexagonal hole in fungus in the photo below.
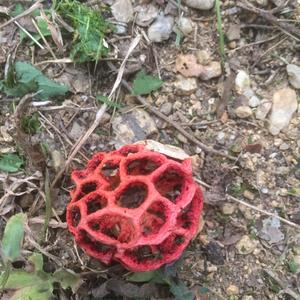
(89, 187)
(133, 195)
(114, 226)
(85, 188)
(95, 202)
(110, 172)
(185, 218)
(142, 166)
(153, 219)
(89, 243)
(75, 216)
(171, 244)
(169, 184)
(142, 254)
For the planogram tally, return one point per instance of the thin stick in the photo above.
(55, 61)
(29, 34)
(48, 204)
(283, 220)
(264, 212)
(286, 28)
(32, 8)
(39, 248)
(155, 111)
(256, 43)
(268, 50)
(43, 38)
(282, 284)
(99, 114)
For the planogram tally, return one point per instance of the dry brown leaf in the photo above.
(55, 32)
(187, 65)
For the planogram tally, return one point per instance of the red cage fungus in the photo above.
(136, 206)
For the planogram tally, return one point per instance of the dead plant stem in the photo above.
(32, 8)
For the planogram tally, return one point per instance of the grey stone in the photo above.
(166, 108)
(122, 10)
(161, 29)
(284, 105)
(200, 4)
(242, 82)
(294, 75)
(76, 131)
(263, 109)
(185, 86)
(234, 32)
(185, 25)
(145, 14)
(133, 126)
(243, 112)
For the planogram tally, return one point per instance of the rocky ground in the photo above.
(235, 111)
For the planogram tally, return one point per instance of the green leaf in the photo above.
(43, 26)
(29, 79)
(142, 276)
(37, 260)
(29, 286)
(5, 274)
(13, 237)
(109, 103)
(19, 8)
(294, 192)
(36, 285)
(42, 291)
(31, 124)
(67, 279)
(293, 267)
(181, 291)
(19, 279)
(203, 290)
(10, 162)
(144, 84)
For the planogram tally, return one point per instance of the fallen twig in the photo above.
(17, 182)
(48, 205)
(29, 34)
(28, 11)
(283, 220)
(43, 38)
(178, 127)
(289, 29)
(282, 284)
(31, 241)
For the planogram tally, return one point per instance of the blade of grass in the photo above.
(221, 33)
(48, 210)
(29, 35)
